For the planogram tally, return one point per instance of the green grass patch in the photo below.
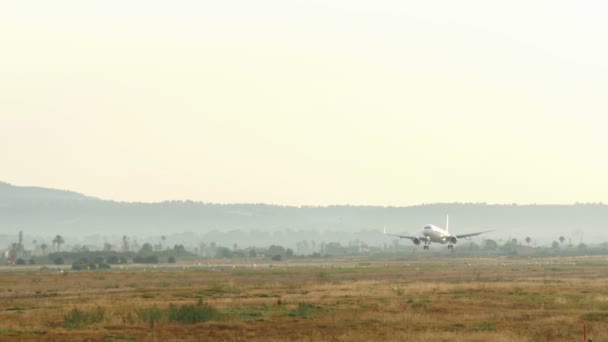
(192, 314)
(15, 308)
(120, 337)
(595, 316)
(185, 314)
(421, 303)
(19, 332)
(79, 319)
(149, 315)
(303, 310)
(322, 277)
(249, 314)
(220, 288)
(484, 326)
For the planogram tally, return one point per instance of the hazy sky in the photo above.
(307, 102)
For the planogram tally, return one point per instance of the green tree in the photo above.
(146, 249)
(561, 240)
(528, 240)
(275, 250)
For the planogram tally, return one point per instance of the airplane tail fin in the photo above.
(447, 223)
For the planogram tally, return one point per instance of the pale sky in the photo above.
(307, 102)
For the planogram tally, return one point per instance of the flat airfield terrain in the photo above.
(410, 299)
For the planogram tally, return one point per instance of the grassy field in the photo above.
(343, 300)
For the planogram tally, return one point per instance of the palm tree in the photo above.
(57, 241)
(561, 240)
(528, 240)
(44, 246)
(125, 244)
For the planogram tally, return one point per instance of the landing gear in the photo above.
(451, 247)
(426, 245)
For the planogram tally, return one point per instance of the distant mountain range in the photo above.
(37, 210)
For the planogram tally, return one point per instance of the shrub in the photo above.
(116, 259)
(58, 261)
(113, 259)
(20, 262)
(171, 259)
(152, 259)
(77, 266)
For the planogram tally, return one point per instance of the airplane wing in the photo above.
(401, 236)
(466, 236)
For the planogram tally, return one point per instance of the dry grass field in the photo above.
(343, 300)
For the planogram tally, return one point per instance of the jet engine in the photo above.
(416, 241)
(453, 239)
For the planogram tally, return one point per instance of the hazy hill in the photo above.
(9, 192)
(47, 211)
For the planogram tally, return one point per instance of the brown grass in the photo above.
(413, 300)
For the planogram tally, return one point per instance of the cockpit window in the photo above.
(427, 227)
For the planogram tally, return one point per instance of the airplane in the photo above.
(432, 233)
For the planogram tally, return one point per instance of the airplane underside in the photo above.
(427, 244)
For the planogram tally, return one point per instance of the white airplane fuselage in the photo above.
(435, 234)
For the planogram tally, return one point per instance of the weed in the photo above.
(418, 303)
(19, 332)
(16, 308)
(128, 319)
(191, 314)
(304, 310)
(219, 288)
(120, 337)
(150, 315)
(322, 277)
(595, 316)
(484, 326)
(517, 291)
(78, 319)
(249, 314)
